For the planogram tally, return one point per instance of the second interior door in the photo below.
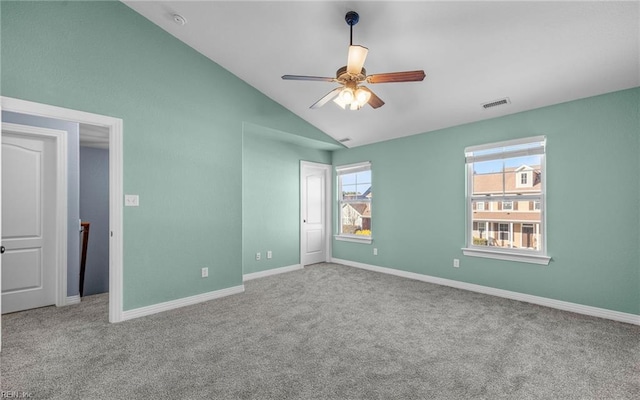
(313, 194)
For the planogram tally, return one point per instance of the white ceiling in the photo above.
(535, 53)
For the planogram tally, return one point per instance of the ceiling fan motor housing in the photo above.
(343, 76)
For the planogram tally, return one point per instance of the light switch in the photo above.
(131, 200)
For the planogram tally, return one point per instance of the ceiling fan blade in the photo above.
(374, 101)
(355, 60)
(327, 98)
(307, 78)
(406, 76)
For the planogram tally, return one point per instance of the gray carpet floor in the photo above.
(325, 332)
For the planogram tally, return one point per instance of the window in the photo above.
(504, 235)
(480, 205)
(508, 176)
(354, 202)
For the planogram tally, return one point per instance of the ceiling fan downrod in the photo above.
(352, 18)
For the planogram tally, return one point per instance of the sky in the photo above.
(486, 167)
(358, 182)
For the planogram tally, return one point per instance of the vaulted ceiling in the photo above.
(533, 53)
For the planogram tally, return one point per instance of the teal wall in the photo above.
(182, 133)
(593, 203)
(271, 196)
(183, 154)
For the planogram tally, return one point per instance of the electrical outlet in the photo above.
(456, 263)
(258, 256)
(269, 254)
(375, 251)
(205, 272)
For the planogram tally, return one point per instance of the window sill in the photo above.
(507, 256)
(354, 238)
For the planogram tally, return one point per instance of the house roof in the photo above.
(492, 183)
(364, 209)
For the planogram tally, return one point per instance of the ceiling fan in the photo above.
(352, 93)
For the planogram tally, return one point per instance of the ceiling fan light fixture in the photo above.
(347, 95)
(362, 96)
(353, 98)
(339, 102)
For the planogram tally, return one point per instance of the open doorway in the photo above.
(94, 209)
(113, 128)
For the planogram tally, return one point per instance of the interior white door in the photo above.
(28, 221)
(313, 200)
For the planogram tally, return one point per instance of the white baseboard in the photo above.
(187, 301)
(72, 300)
(269, 272)
(543, 301)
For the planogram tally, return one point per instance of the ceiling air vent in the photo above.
(496, 103)
(345, 140)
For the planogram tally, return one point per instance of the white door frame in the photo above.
(328, 216)
(61, 228)
(114, 125)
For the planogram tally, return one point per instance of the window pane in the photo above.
(356, 218)
(349, 192)
(523, 232)
(363, 177)
(355, 204)
(356, 186)
(348, 179)
(358, 177)
(516, 175)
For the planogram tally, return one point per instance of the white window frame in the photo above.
(504, 205)
(475, 154)
(344, 170)
(478, 205)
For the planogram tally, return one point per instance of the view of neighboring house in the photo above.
(507, 223)
(356, 213)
